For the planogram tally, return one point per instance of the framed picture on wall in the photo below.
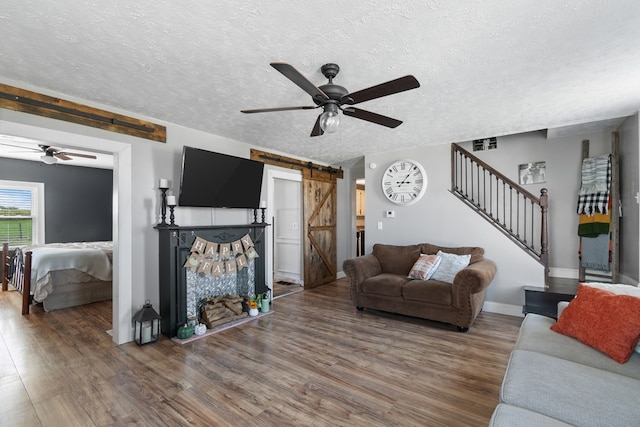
(532, 173)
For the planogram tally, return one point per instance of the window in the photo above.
(21, 212)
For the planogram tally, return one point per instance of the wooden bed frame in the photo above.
(23, 282)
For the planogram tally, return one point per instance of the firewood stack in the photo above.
(222, 309)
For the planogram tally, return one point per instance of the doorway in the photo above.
(285, 240)
(360, 212)
(10, 123)
(287, 237)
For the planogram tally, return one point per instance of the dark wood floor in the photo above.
(314, 361)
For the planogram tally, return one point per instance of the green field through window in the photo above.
(16, 223)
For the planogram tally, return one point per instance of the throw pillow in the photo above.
(424, 267)
(603, 320)
(449, 266)
(618, 289)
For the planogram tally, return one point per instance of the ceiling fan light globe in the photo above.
(49, 160)
(329, 121)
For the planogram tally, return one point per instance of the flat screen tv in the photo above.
(215, 180)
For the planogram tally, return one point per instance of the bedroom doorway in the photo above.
(27, 126)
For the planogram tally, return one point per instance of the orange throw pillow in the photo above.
(603, 320)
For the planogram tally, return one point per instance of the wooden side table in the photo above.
(545, 301)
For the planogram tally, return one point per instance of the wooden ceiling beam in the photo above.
(17, 99)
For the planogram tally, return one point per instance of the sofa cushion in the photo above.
(616, 288)
(536, 335)
(477, 253)
(449, 266)
(385, 284)
(509, 416)
(396, 259)
(603, 320)
(570, 392)
(431, 291)
(424, 267)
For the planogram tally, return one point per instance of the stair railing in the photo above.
(514, 211)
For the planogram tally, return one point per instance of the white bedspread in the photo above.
(85, 257)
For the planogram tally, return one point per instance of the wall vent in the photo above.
(485, 144)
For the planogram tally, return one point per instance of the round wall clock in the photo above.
(404, 182)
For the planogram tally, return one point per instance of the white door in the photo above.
(287, 230)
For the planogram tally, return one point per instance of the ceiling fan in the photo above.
(333, 98)
(51, 154)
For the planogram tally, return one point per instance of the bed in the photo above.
(61, 274)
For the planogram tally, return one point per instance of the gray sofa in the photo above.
(554, 380)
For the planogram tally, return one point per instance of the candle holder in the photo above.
(163, 223)
(172, 216)
(263, 209)
(255, 216)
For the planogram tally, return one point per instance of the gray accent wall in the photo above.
(78, 200)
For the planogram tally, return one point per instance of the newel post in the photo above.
(544, 237)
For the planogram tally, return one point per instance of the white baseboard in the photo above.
(567, 273)
(500, 308)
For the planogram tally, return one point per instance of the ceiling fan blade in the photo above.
(20, 146)
(267, 110)
(295, 76)
(317, 130)
(66, 153)
(371, 117)
(61, 156)
(383, 89)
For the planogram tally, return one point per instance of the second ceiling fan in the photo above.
(50, 154)
(333, 98)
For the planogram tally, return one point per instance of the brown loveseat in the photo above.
(379, 281)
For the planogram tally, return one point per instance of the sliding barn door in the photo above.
(319, 212)
(319, 215)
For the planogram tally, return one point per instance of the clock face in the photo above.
(404, 182)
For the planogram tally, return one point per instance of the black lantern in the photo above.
(147, 323)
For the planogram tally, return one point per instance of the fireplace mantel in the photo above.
(174, 249)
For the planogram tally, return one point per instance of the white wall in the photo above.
(440, 218)
(563, 157)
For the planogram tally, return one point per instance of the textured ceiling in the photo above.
(485, 68)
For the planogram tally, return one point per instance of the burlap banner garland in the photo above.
(214, 259)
